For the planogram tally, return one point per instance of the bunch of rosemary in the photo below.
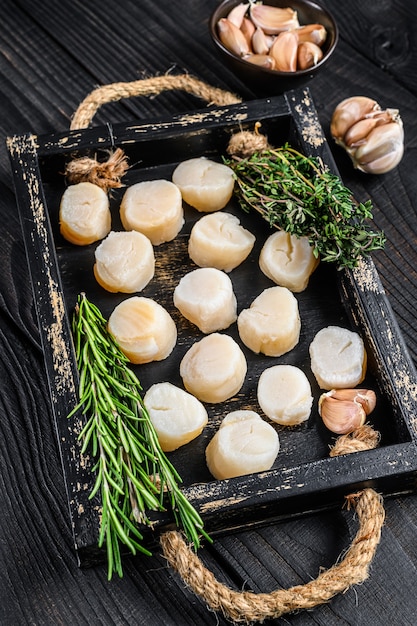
(133, 474)
(297, 194)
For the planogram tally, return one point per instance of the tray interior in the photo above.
(154, 150)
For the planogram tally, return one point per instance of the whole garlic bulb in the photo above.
(344, 410)
(373, 137)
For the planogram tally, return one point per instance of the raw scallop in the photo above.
(177, 416)
(204, 184)
(214, 368)
(218, 240)
(271, 325)
(338, 358)
(125, 262)
(144, 330)
(154, 208)
(244, 444)
(84, 214)
(284, 394)
(288, 260)
(205, 297)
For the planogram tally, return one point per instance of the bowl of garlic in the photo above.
(276, 45)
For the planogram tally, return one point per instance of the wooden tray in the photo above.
(304, 478)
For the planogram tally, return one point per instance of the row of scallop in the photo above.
(214, 368)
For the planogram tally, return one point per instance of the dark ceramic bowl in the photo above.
(265, 81)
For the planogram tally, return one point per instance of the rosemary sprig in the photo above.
(133, 474)
(299, 195)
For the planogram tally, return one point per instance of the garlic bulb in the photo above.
(373, 137)
(344, 410)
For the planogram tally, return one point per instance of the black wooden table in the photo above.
(52, 55)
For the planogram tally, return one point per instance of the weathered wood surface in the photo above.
(52, 55)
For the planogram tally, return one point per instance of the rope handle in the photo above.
(246, 606)
(148, 87)
(240, 606)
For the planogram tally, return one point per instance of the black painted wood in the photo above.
(52, 54)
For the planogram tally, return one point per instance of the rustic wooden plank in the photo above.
(43, 78)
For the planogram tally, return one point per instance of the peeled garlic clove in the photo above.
(382, 151)
(232, 37)
(261, 60)
(284, 51)
(341, 416)
(350, 111)
(308, 55)
(273, 20)
(260, 43)
(365, 397)
(315, 33)
(248, 28)
(237, 14)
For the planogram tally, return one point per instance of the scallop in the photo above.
(218, 240)
(214, 368)
(288, 260)
(177, 416)
(284, 394)
(205, 185)
(206, 298)
(154, 208)
(124, 261)
(271, 325)
(244, 444)
(84, 214)
(338, 358)
(144, 330)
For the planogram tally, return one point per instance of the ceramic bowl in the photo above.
(265, 81)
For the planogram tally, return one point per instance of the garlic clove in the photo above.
(350, 111)
(262, 60)
(308, 55)
(248, 29)
(237, 14)
(284, 51)
(341, 416)
(383, 149)
(315, 33)
(232, 37)
(365, 397)
(260, 42)
(273, 20)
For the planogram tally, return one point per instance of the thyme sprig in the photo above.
(133, 474)
(299, 195)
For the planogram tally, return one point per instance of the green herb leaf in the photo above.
(298, 194)
(132, 473)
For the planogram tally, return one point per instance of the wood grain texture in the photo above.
(51, 55)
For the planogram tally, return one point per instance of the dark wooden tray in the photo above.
(304, 479)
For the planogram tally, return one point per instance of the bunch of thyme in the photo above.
(133, 474)
(298, 194)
